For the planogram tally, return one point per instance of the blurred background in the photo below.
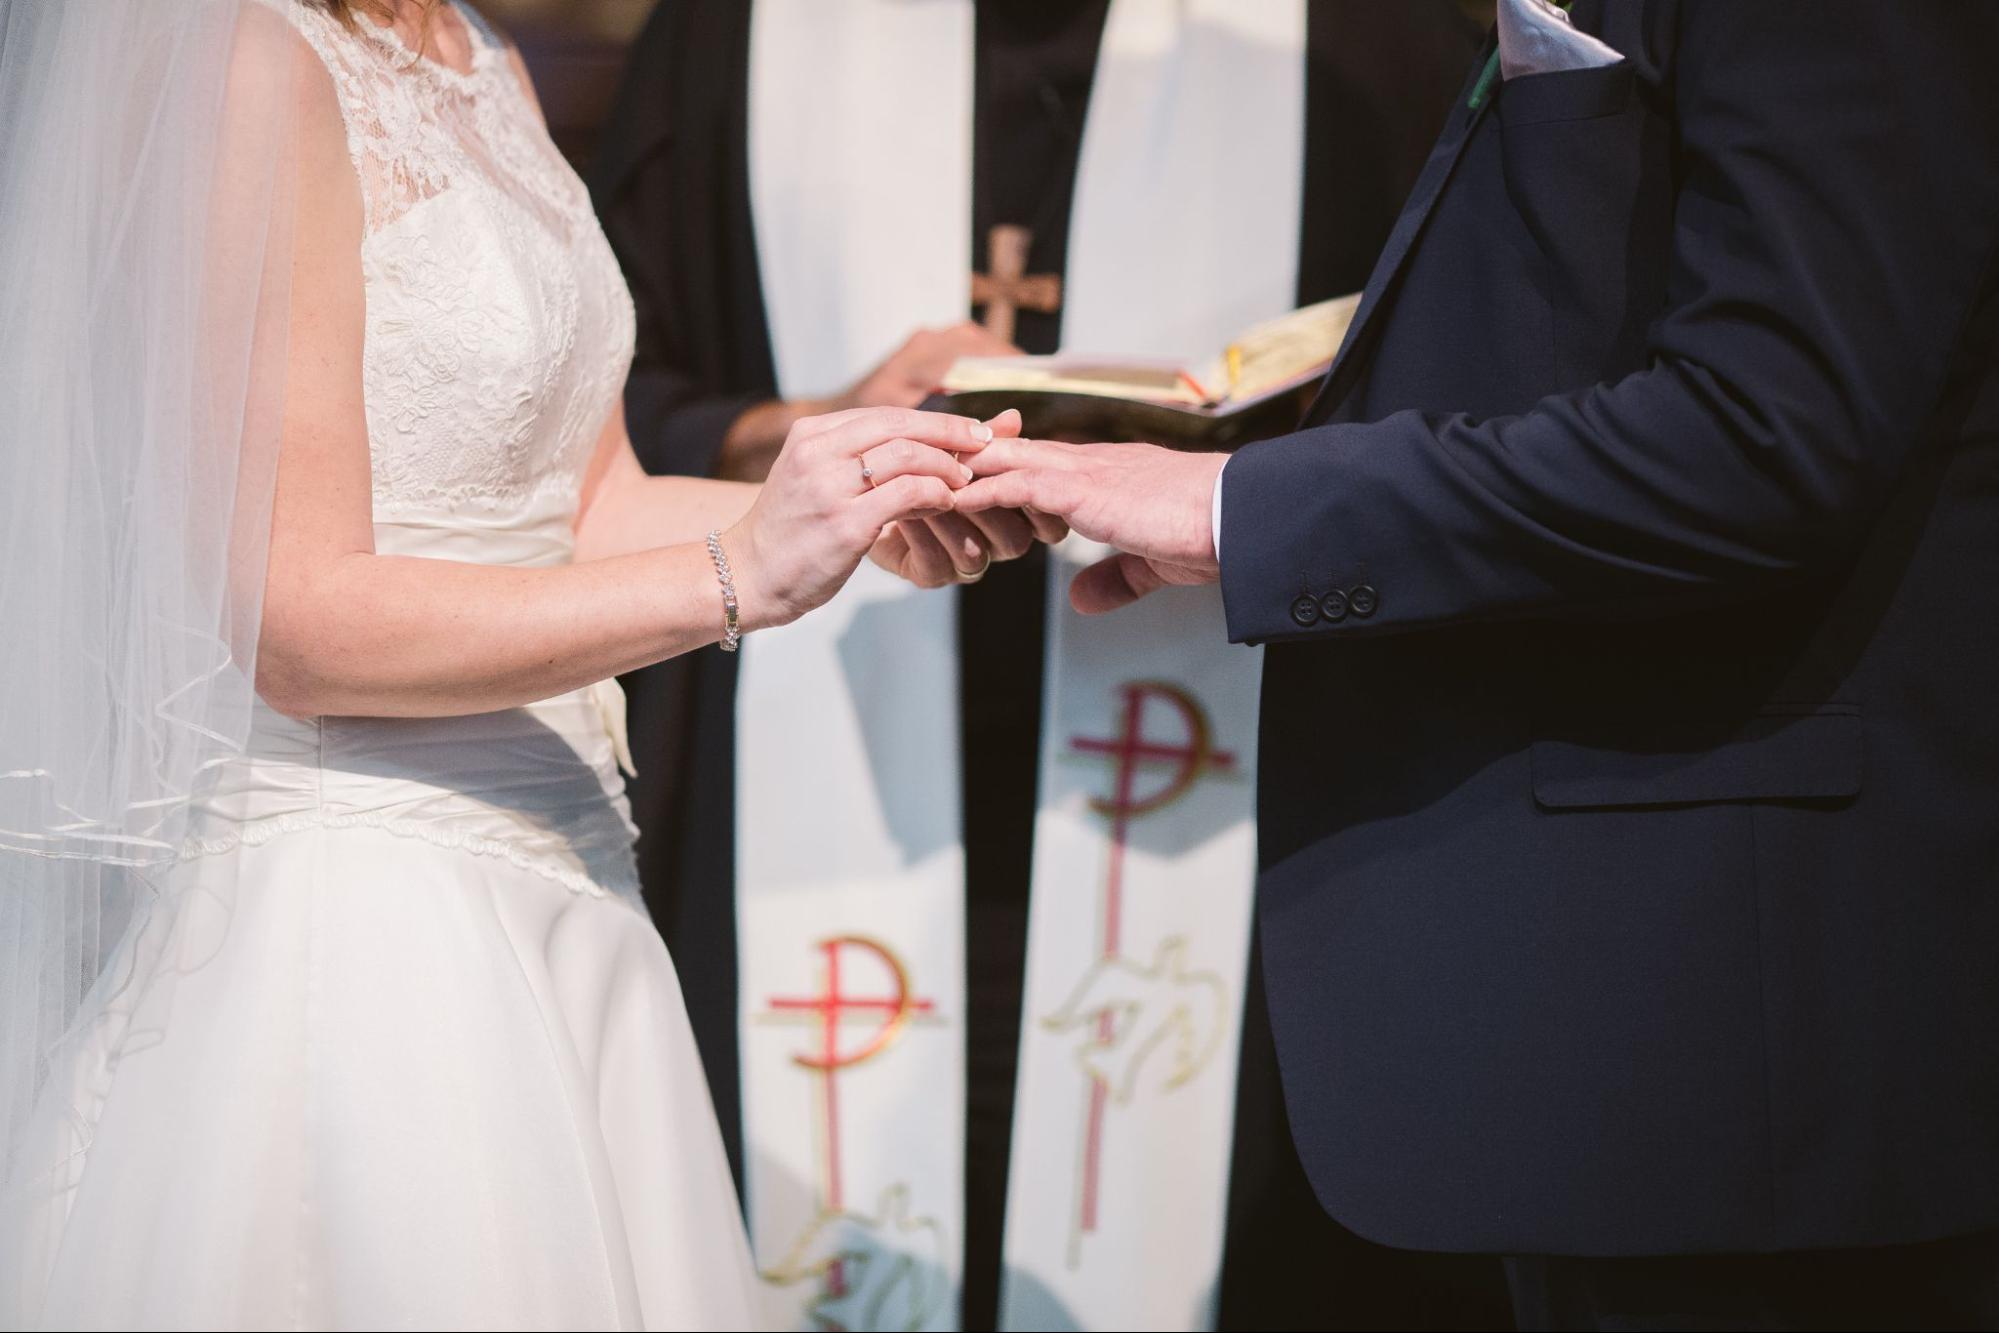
(576, 50)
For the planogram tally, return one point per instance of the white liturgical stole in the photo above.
(1185, 231)
(850, 865)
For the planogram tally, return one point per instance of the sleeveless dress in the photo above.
(408, 1052)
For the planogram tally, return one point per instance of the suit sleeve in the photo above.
(1834, 222)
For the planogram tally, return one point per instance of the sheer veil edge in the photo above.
(147, 178)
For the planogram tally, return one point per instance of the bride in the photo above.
(329, 998)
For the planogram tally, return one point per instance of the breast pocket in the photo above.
(1588, 168)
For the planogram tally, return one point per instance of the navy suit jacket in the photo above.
(1630, 747)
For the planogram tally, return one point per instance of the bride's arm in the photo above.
(349, 631)
(625, 510)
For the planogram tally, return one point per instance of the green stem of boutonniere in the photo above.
(1486, 78)
(1482, 90)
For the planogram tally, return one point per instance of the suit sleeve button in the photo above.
(1305, 610)
(1333, 606)
(1364, 600)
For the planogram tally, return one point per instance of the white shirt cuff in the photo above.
(1215, 514)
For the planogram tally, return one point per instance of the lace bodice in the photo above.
(499, 327)
(499, 332)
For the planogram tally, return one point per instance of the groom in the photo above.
(1630, 767)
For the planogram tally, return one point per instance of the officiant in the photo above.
(823, 206)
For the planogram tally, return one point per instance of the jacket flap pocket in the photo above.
(1807, 756)
(1570, 94)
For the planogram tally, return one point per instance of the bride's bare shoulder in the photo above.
(278, 71)
(281, 97)
(279, 33)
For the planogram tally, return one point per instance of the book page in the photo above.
(1140, 380)
(1265, 358)
(1282, 350)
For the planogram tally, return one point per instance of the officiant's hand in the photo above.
(914, 370)
(837, 483)
(1154, 505)
(911, 374)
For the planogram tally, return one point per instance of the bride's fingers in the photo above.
(995, 534)
(973, 544)
(1047, 527)
(891, 551)
(903, 458)
(929, 564)
(900, 498)
(853, 435)
(1007, 424)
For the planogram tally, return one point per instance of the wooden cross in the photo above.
(1010, 287)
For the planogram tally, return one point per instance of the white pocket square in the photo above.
(1537, 38)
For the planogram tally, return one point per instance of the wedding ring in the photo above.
(974, 578)
(867, 475)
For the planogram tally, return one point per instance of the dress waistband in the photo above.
(538, 784)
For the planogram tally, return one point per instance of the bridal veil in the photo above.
(145, 231)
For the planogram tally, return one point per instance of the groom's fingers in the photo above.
(1012, 455)
(1048, 492)
(1122, 579)
(1116, 581)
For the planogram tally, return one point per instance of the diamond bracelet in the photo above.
(732, 633)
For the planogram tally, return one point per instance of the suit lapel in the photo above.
(1423, 196)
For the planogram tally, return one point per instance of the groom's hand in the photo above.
(1155, 505)
(952, 548)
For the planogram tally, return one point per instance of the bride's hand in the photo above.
(839, 480)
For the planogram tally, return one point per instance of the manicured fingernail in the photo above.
(982, 433)
(967, 471)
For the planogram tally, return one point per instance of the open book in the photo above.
(1248, 387)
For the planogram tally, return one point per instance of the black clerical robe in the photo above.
(672, 187)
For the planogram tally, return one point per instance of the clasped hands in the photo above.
(935, 498)
(1153, 505)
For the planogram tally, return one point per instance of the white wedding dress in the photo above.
(410, 1054)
